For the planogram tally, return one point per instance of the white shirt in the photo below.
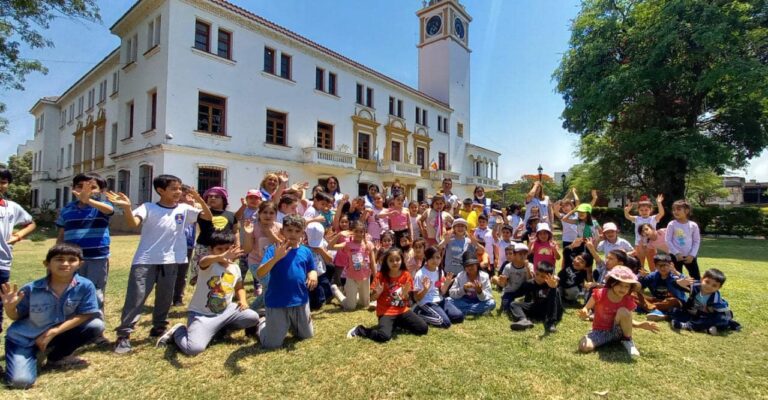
(162, 233)
(215, 288)
(432, 296)
(11, 215)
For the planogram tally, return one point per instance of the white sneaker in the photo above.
(712, 330)
(337, 293)
(167, 336)
(352, 333)
(631, 349)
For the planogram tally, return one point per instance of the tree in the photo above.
(515, 192)
(705, 185)
(21, 170)
(20, 24)
(659, 89)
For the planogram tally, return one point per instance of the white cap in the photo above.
(543, 226)
(520, 247)
(315, 234)
(460, 221)
(610, 226)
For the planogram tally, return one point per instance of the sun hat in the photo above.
(584, 207)
(315, 234)
(623, 274)
(459, 221)
(610, 226)
(469, 258)
(543, 226)
(216, 190)
(253, 192)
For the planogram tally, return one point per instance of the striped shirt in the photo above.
(86, 227)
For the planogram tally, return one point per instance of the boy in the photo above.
(189, 234)
(11, 214)
(320, 211)
(211, 309)
(706, 310)
(514, 273)
(292, 275)
(572, 277)
(288, 205)
(486, 234)
(542, 301)
(54, 315)
(162, 247)
(503, 243)
(666, 294)
(470, 214)
(85, 223)
(316, 242)
(612, 240)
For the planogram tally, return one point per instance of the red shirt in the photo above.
(392, 300)
(543, 251)
(605, 309)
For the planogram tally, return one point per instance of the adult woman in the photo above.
(333, 188)
(480, 198)
(373, 190)
(537, 197)
(271, 187)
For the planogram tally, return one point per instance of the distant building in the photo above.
(742, 192)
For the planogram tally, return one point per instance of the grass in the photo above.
(480, 358)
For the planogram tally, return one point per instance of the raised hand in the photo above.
(87, 189)
(659, 199)
(11, 295)
(248, 226)
(551, 281)
(628, 207)
(685, 282)
(119, 199)
(593, 192)
(379, 288)
(426, 283)
(233, 253)
(281, 250)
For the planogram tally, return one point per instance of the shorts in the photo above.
(601, 338)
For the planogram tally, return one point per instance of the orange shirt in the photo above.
(392, 300)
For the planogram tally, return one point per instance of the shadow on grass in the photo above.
(232, 362)
(614, 353)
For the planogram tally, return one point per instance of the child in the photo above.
(418, 257)
(502, 244)
(435, 220)
(259, 236)
(513, 216)
(288, 205)
(471, 292)
(644, 210)
(482, 256)
(189, 235)
(162, 247)
(343, 235)
(542, 247)
(85, 223)
(415, 217)
(211, 309)
(470, 214)
(316, 241)
(360, 255)
(320, 211)
(613, 307)
(398, 220)
(612, 240)
(430, 292)
(666, 294)
(570, 231)
(391, 290)
(516, 271)
(221, 220)
(11, 214)
(706, 309)
(455, 245)
(292, 276)
(586, 226)
(655, 241)
(683, 239)
(485, 234)
(249, 206)
(542, 301)
(573, 277)
(53, 315)
(377, 223)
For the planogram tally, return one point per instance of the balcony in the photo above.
(487, 183)
(331, 158)
(400, 169)
(440, 175)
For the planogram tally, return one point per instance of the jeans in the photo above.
(441, 314)
(693, 268)
(473, 306)
(408, 321)
(21, 362)
(322, 292)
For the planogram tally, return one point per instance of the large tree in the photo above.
(20, 24)
(21, 170)
(660, 89)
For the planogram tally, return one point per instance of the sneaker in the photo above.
(521, 325)
(681, 325)
(123, 345)
(712, 330)
(67, 362)
(631, 349)
(101, 341)
(167, 336)
(178, 303)
(550, 329)
(337, 293)
(354, 332)
(656, 315)
(157, 331)
(372, 306)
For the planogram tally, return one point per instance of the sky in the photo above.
(516, 45)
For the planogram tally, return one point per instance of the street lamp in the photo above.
(540, 169)
(562, 180)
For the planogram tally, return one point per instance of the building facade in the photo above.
(216, 95)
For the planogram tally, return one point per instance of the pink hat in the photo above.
(623, 274)
(216, 190)
(610, 226)
(253, 192)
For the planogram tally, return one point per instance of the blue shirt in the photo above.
(41, 309)
(86, 227)
(287, 279)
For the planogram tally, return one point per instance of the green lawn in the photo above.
(481, 358)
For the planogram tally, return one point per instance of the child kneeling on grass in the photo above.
(54, 315)
(211, 309)
(391, 290)
(613, 307)
(706, 310)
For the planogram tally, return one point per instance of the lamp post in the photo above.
(562, 180)
(540, 169)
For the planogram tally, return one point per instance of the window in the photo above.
(111, 184)
(145, 183)
(115, 82)
(441, 161)
(71, 112)
(65, 196)
(421, 195)
(225, 44)
(124, 181)
(285, 66)
(58, 197)
(392, 105)
(324, 136)
(69, 155)
(80, 106)
(362, 188)
(152, 110)
(332, 83)
(113, 147)
(276, 128)
(442, 124)
(418, 115)
(396, 152)
(129, 109)
(400, 108)
(424, 119)
(132, 49)
(103, 91)
(363, 145)
(359, 97)
(91, 98)
(98, 152)
(269, 60)
(35, 198)
(459, 129)
(78, 150)
(34, 162)
(61, 159)
(208, 178)
(87, 151)
(202, 36)
(369, 97)
(319, 79)
(153, 33)
(63, 118)
(421, 157)
(211, 114)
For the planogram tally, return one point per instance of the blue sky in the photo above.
(516, 45)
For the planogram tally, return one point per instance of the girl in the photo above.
(613, 307)
(542, 247)
(655, 241)
(377, 224)
(482, 256)
(644, 210)
(418, 257)
(360, 255)
(391, 289)
(398, 219)
(415, 217)
(258, 237)
(431, 287)
(435, 220)
(513, 215)
(222, 221)
(537, 197)
(386, 242)
(342, 236)
(683, 239)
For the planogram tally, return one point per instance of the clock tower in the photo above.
(444, 58)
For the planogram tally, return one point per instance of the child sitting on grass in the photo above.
(666, 294)
(212, 309)
(514, 273)
(54, 315)
(471, 292)
(542, 301)
(573, 277)
(706, 310)
(613, 306)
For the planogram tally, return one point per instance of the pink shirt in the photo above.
(660, 243)
(398, 220)
(359, 260)
(261, 241)
(605, 309)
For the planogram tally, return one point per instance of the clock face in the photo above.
(459, 27)
(433, 25)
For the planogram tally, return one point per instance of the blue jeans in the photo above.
(508, 298)
(322, 292)
(473, 306)
(21, 361)
(441, 314)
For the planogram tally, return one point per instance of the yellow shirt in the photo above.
(471, 217)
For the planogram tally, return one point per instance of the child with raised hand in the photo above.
(315, 234)
(376, 223)
(429, 282)
(705, 310)
(644, 211)
(221, 220)
(542, 301)
(212, 309)
(53, 315)
(455, 244)
(471, 291)
(586, 226)
(391, 290)
(613, 306)
(415, 217)
(666, 294)
(162, 247)
(573, 277)
(436, 221)
(418, 256)
(360, 255)
(683, 239)
(292, 276)
(398, 219)
(514, 273)
(259, 236)
(542, 247)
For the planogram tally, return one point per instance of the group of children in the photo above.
(415, 264)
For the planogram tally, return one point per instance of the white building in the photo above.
(216, 95)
